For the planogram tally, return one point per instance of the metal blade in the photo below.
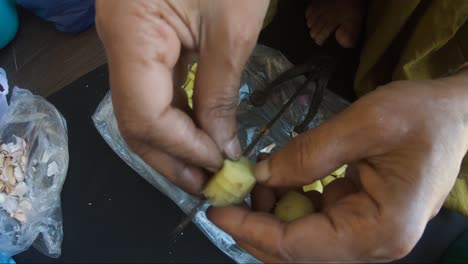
(188, 219)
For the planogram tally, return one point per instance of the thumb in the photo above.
(226, 44)
(349, 136)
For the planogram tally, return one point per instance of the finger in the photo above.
(172, 131)
(316, 25)
(224, 49)
(142, 88)
(263, 198)
(189, 178)
(310, 9)
(346, 36)
(313, 14)
(352, 135)
(325, 32)
(316, 199)
(263, 228)
(145, 115)
(260, 255)
(336, 236)
(337, 190)
(280, 191)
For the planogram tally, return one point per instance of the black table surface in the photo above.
(111, 214)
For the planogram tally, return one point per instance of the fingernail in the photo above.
(188, 179)
(233, 149)
(212, 169)
(262, 172)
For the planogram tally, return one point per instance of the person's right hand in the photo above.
(404, 144)
(148, 45)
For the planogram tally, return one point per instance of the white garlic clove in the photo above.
(20, 190)
(25, 205)
(12, 147)
(268, 148)
(9, 175)
(18, 145)
(19, 174)
(22, 142)
(2, 159)
(10, 204)
(4, 148)
(6, 161)
(3, 197)
(20, 216)
(2, 186)
(24, 162)
(3, 176)
(45, 157)
(16, 157)
(9, 187)
(52, 169)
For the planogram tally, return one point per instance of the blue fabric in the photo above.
(6, 260)
(8, 22)
(70, 16)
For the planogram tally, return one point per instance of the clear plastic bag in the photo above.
(33, 119)
(263, 66)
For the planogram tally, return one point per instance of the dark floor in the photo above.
(44, 60)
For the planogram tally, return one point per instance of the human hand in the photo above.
(404, 144)
(149, 45)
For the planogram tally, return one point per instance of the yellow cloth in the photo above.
(414, 40)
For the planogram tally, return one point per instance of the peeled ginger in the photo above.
(232, 184)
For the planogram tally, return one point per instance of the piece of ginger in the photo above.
(232, 184)
(293, 205)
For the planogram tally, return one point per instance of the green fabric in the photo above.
(415, 40)
(270, 13)
(432, 49)
(411, 40)
(457, 199)
(385, 20)
(458, 251)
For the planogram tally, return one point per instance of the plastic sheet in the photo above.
(33, 119)
(263, 66)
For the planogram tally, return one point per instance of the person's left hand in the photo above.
(149, 44)
(404, 143)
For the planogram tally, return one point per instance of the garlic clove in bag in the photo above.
(20, 216)
(20, 190)
(25, 205)
(19, 174)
